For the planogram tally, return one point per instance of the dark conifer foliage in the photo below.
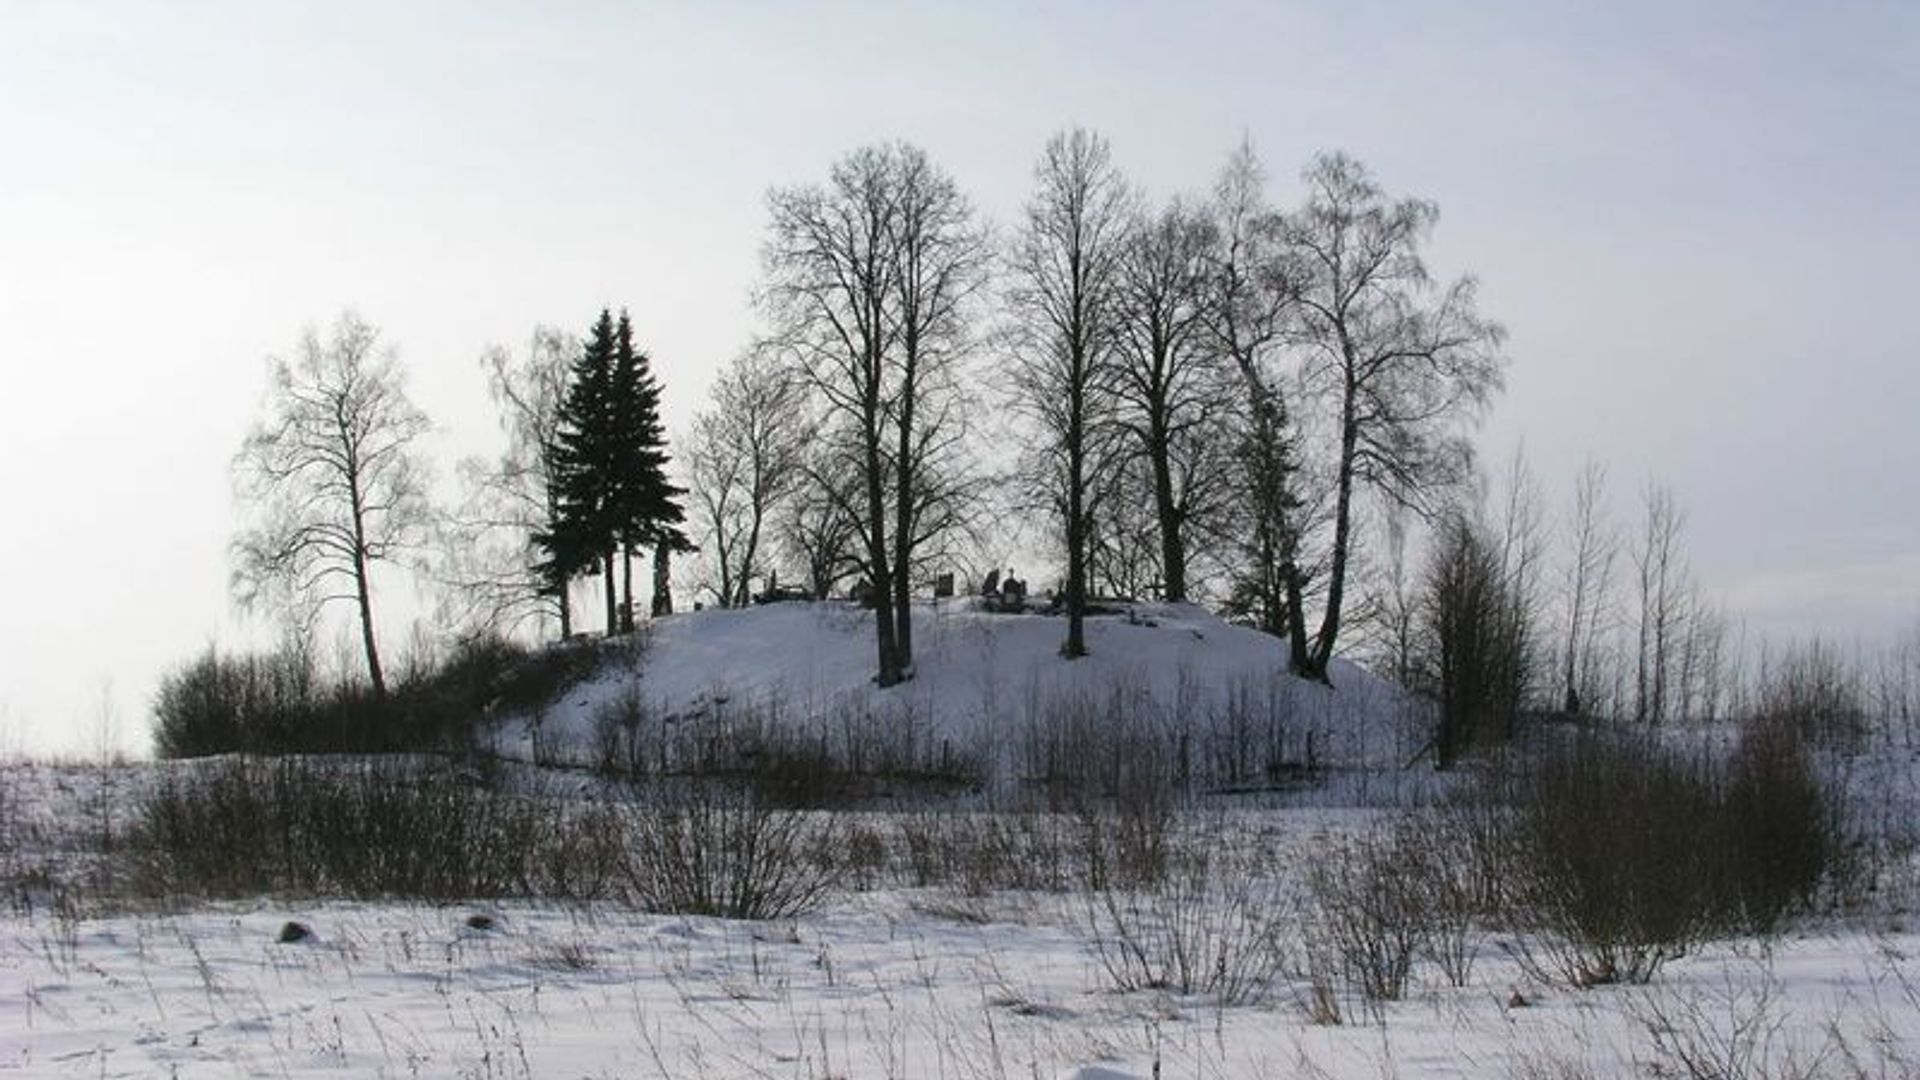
(584, 537)
(614, 492)
(647, 506)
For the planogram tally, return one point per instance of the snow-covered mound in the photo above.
(979, 675)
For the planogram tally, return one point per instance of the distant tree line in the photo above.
(1194, 399)
(1187, 402)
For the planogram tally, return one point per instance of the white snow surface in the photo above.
(896, 984)
(976, 675)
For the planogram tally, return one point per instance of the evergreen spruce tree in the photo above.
(588, 529)
(614, 493)
(647, 508)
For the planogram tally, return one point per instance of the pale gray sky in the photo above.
(1697, 220)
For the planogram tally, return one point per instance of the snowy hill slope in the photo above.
(981, 678)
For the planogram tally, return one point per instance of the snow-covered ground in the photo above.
(883, 979)
(893, 984)
(888, 982)
(978, 678)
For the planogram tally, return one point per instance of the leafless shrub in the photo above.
(563, 956)
(548, 749)
(840, 758)
(332, 827)
(1256, 737)
(714, 849)
(1126, 844)
(1549, 1066)
(1734, 1029)
(9, 815)
(1078, 749)
(1438, 855)
(622, 735)
(984, 853)
(1601, 830)
(1813, 691)
(866, 856)
(1373, 910)
(1476, 825)
(279, 703)
(1782, 828)
(1598, 831)
(580, 851)
(1321, 972)
(1211, 926)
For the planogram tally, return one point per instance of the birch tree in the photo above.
(1401, 360)
(332, 479)
(745, 457)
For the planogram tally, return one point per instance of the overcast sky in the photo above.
(1698, 222)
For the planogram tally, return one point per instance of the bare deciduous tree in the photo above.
(333, 478)
(830, 265)
(1400, 361)
(868, 282)
(744, 456)
(1588, 592)
(1168, 379)
(818, 527)
(1250, 298)
(1660, 574)
(1522, 559)
(940, 259)
(496, 577)
(1394, 609)
(1066, 267)
(1124, 556)
(1703, 659)
(1471, 632)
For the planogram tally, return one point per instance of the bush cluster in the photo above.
(334, 828)
(277, 703)
(1622, 855)
(414, 829)
(845, 757)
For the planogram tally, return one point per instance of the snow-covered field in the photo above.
(894, 984)
(884, 978)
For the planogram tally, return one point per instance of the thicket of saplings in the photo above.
(282, 702)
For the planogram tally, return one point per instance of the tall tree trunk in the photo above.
(1342, 537)
(903, 524)
(626, 581)
(662, 579)
(880, 583)
(365, 598)
(744, 586)
(902, 611)
(1173, 549)
(1570, 676)
(566, 613)
(613, 592)
(363, 594)
(1299, 660)
(1076, 643)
